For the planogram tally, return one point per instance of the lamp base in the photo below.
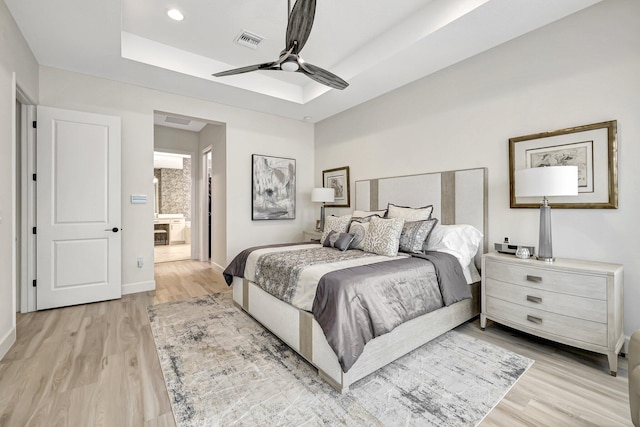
(321, 217)
(545, 251)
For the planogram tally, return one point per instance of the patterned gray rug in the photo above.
(222, 368)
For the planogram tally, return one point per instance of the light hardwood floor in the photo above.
(96, 365)
(175, 252)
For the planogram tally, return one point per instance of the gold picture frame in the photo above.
(593, 148)
(338, 178)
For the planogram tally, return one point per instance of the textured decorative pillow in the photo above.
(335, 223)
(415, 234)
(383, 236)
(338, 240)
(358, 228)
(362, 214)
(409, 214)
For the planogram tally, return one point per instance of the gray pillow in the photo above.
(335, 223)
(359, 227)
(413, 238)
(338, 240)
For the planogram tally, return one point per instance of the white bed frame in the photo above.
(458, 197)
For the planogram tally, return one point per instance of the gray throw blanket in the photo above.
(236, 267)
(355, 305)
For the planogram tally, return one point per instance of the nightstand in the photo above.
(311, 235)
(573, 302)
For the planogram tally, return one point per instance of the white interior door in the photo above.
(78, 208)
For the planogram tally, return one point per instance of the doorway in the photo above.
(173, 206)
(207, 203)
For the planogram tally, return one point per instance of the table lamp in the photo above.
(322, 195)
(546, 182)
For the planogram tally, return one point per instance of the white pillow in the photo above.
(383, 236)
(409, 214)
(459, 240)
(339, 224)
(362, 214)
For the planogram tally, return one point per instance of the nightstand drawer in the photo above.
(552, 280)
(538, 320)
(568, 305)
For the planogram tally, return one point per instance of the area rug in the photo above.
(223, 368)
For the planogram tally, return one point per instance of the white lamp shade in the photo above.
(547, 181)
(322, 195)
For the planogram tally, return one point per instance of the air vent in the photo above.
(248, 39)
(177, 120)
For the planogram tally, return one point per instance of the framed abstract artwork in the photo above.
(273, 188)
(338, 179)
(592, 148)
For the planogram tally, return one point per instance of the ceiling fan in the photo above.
(298, 30)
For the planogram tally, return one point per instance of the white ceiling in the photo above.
(375, 45)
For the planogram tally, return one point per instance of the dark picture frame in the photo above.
(592, 148)
(273, 187)
(338, 179)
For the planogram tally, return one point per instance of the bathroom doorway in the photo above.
(173, 206)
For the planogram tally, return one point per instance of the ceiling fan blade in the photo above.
(322, 76)
(300, 24)
(246, 69)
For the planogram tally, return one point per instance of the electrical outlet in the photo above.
(140, 262)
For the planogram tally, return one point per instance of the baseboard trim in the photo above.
(217, 267)
(134, 288)
(7, 341)
(625, 345)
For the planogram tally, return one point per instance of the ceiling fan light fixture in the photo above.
(290, 65)
(175, 14)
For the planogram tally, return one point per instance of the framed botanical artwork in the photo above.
(592, 148)
(273, 188)
(338, 179)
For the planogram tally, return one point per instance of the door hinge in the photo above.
(34, 124)
(34, 230)
(34, 177)
(34, 283)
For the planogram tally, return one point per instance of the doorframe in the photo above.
(25, 241)
(195, 240)
(204, 206)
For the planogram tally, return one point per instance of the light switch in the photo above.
(138, 199)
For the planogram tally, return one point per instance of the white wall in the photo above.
(580, 70)
(17, 67)
(247, 132)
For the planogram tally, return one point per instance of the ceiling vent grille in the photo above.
(177, 120)
(248, 39)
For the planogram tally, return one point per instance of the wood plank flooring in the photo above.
(96, 365)
(175, 252)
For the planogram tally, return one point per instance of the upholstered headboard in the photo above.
(458, 197)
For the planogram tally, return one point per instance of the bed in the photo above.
(458, 197)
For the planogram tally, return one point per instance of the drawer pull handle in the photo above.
(536, 279)
(531, 298)
(534, 319)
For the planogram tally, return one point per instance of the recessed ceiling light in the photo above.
(175, 14)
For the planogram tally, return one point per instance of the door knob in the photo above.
(114, 229)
